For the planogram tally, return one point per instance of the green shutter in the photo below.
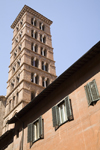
(94, 90)
(40, 127)
(57, 115)
(88, 94)
(29, 133)
(54, 116)
(68, 108)
(32, 132)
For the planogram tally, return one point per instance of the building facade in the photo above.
(32, 67)
(65, 115)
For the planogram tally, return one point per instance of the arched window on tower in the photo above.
(35, 78)
(34, 47)
(9, 105)
(19, 62)
(13, 102)
(34, 62)
(14, 68)
(15, 53)
(20, 34)
(43, 51)
(44, 66)
(20, 47)
(34, 34)
(41, 26)
(32, 95)
(42, 38)
(12, 84)
(33, 22)
(45, 82)
(17, 98)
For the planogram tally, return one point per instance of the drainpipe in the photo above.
(22, 131)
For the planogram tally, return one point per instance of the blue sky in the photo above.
(75, 29)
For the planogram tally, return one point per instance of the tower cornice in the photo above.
(33, 12)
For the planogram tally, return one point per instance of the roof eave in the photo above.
(32, 11)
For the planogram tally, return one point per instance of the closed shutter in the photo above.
(94, 90)
(29, 133)
(57, 115)
(68, 108)
(88, 94)
(54, 116)
(32, 132)
(40, 127)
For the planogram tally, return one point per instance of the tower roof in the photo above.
(33, 12)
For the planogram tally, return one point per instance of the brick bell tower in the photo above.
(32, 67)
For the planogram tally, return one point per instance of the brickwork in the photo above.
(80, 133)
(26, 62)
(2, 111)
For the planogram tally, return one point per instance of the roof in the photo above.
(65, 75)
(6, 138)
(33, 12)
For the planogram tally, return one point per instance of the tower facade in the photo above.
(32, 67)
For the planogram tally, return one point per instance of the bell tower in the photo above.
(32, 67)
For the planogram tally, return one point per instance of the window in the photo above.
(44, 66)
(20, 47)
(34, 62)
(19, 62)
(16, 39)
(45, 82)
(14, 68)
(62, 112)
(42, 38)
(17, 27)
(92, 92)
(34, 78)
(15, 53)
(21, 22)
(34, 34)
(35, 130)
(20, 34)
(32, 95)
(13, 103)
(18, 78)
(9, 105)
(17, 97)
(33, 21)
(43, 51)
(34, 47)
(41, 26)
(12, 84)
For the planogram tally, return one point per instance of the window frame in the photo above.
(30, 130)
(90, 93)
(56, 114)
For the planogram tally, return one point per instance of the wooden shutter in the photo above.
(32, 132)
(88, 94)
(94, 90)
(54, 116)
(57, 115)
(40, 127)
(68, 108)
(29, 133)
